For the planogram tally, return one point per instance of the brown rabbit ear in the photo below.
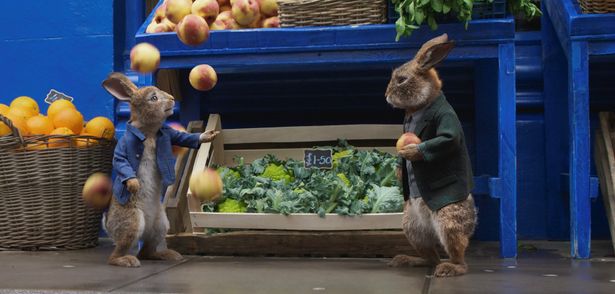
(119, 86)
(433, 52)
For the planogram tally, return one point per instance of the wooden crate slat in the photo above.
(605, 166)
(298, 222)
(283, 153)
(311, 134)
(292, 244)
(177, 204)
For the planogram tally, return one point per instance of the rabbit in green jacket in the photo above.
(436, 174)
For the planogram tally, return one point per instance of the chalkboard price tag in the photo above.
(318, 158)
(54, 95)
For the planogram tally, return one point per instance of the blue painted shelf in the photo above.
(570, 38)
(488, 44)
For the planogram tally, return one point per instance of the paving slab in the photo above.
(80, 270)
(542, 269)
(288, 275)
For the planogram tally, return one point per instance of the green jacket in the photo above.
(445, 174)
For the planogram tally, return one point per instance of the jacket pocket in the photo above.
(443, 182)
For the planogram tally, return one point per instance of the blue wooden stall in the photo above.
(570, 39)
(487, 44)
(68, 47)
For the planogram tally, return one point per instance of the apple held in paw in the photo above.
(406, 139)
(193, 30)
(97, 191)
(272, 22)
(178, 9)
(268, 7)
(206, 185)
(245, 11)
(207, 9)
(203, 77)
(144, 58)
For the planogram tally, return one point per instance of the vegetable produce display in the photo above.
(360, 182)
(413, 13)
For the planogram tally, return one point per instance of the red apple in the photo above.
(406, 139)
(97, 191)
(207, 9)
(203, 77)
(272, 22)
(144, 58)
(268, 7)
(193, 30)
(177, 9)
(160, 13)
(206, 185)
(245, 11)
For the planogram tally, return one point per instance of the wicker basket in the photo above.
(597, 6)
(301, 13)
(40, 190)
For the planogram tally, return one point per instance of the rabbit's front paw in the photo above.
(208, 136)
(133, 185)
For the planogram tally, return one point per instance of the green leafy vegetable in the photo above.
(359, 182)
(413, 13)
(231, 205)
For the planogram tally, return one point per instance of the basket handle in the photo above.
(14, 129)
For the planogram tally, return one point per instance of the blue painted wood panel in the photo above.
(67, 46)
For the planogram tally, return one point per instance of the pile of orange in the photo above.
(62, 118)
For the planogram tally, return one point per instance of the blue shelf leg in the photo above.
(508, 146)
(555, 75)
(578, 112)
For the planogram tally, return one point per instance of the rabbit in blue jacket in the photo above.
(144, 167)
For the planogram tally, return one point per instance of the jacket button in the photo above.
(138, 155)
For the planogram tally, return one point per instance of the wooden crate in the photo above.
(188, 222)
(604, 157)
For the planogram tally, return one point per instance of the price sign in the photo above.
(318, 158)
(54, 95)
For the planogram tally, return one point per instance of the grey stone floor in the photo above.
(542, 267)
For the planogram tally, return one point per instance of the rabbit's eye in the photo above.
(401, 80)
(154, 98)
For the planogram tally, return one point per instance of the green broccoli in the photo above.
(344, 179)
(231, 205)
(277, 172)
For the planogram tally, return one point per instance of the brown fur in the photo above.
(413, 86)
(143, 217)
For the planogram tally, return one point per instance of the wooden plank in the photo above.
(300, 244)
(171, 200)
(179, 217)
(605, 166)
(202, 159)
(283, 153)
(298, 221)
(311, 134)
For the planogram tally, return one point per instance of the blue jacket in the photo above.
(129, 149)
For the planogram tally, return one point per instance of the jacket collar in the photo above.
(135, 131)
(430, 111)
